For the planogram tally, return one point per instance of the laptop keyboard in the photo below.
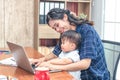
(33, 66)
(52, 71)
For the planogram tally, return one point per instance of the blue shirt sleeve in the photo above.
(57, 50)
(88, 46)
(89, 40)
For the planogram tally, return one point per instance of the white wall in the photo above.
(17, 22)
(97, 14)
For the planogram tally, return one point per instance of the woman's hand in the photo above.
(45, 64)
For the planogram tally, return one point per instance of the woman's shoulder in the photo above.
(84, 27)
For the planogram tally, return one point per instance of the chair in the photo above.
(45, 50)
(116, 75)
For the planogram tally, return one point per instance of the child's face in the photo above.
(67, 46)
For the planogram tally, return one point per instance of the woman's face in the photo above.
(59, 25)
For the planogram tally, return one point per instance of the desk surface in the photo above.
(24, 75)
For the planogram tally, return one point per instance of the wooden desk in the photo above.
(24, 75)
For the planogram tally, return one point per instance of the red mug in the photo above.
(42, 73)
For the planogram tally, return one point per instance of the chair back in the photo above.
(116, 75)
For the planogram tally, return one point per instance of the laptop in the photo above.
(21, 58)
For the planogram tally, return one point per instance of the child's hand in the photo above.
(47, 64)
(37, 62)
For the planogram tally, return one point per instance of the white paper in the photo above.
(3, 77)
(8, 61)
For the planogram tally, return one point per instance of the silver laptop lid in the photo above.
(20, 57)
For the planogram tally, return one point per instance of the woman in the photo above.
(92, 59)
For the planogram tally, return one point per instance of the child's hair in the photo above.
(72, 36)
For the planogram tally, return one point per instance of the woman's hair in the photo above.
(71, 36)
(57, 13)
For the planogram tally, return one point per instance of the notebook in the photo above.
(21, 58)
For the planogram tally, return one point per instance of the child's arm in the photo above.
(60, 61)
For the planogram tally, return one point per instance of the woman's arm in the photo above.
(45, 58)
(80, 65)
(49, 57)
